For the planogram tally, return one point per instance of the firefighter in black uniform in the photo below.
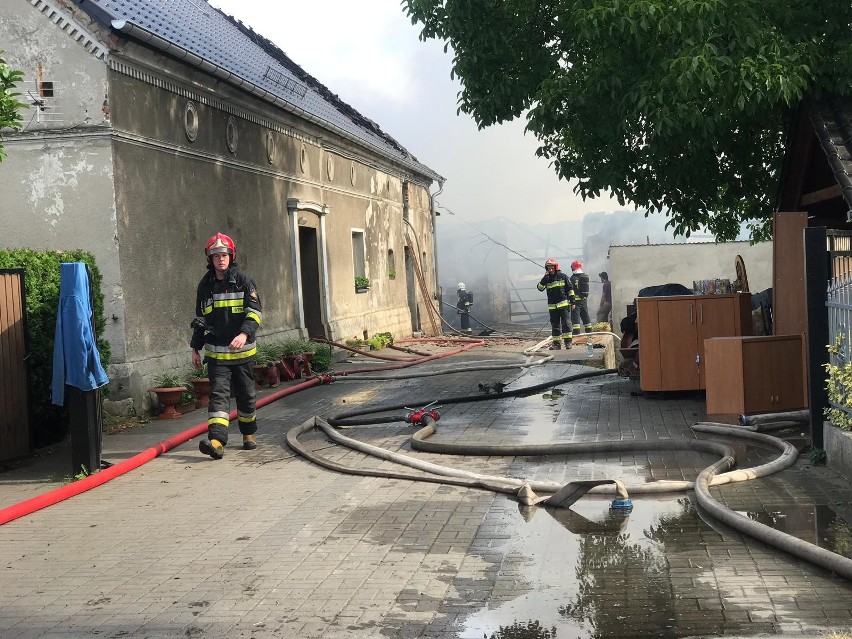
(580, 282)
(560, 301)
(463, 305)
(227, 316)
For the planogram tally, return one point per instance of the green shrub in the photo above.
(41, 286)
(839, 385)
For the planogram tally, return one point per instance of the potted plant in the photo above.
(362, 284)
(379, 340)
(321, 360)
(265, 357)
(200, 384)
(292, 357)
(168, 387)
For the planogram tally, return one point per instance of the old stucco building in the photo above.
(152, 125)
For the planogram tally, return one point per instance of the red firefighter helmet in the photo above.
(551, 262)
(220, 243)
(576, 264)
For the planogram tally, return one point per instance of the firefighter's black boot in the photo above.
(249, 442)
(212, 447)
(555, 346)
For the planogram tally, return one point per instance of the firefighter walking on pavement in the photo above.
(227, 316)
(580, 312)
(560, 301)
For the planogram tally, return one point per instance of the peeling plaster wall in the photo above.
(377, 210)
(635, 267)
(29, 39)
(57, 181)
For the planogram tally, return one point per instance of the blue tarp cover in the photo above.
(76, 360)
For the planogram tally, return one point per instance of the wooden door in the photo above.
(773, 374)
(789, 310)
(15, 436)
(678, 345)
(715, 317)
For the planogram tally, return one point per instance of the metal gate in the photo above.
(15, 435)
(839, 299)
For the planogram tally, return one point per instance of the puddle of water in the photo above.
(819, 525)
(660, 571)
(608, 568)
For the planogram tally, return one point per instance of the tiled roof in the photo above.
(832, 122)
(228, 49)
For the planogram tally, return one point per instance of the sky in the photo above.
(370, 55)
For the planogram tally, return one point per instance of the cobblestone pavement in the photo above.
(265, 544)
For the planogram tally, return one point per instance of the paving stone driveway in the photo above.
(264, 544)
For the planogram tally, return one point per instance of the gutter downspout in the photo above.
(432, 207)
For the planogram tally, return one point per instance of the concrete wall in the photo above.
(632, 268)
(182, 156)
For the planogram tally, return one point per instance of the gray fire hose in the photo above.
(565, 495)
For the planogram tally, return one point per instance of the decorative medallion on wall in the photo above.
(270, 146)
(232, 135)
(329, 167)
(190, 121)
(303, 157)
(352, 173)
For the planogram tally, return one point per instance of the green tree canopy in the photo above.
(10, 116)
(679, 106)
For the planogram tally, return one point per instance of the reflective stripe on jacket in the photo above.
(229, 307)
(560, 293)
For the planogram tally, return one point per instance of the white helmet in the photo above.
(461, 286)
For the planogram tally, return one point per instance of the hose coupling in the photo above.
(622, 505)
(421, 417)
(325, 378)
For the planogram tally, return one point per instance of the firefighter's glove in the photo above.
(200, 330)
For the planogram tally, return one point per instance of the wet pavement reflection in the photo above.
(588, 570)
(819, 525)
(659, 571)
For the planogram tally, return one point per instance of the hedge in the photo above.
(41, 286)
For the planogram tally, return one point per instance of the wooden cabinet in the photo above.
(672, 331)
(755, 374)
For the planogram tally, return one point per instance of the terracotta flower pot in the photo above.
(306, 363)
(201, 388)
(169, 398)
(293, 366)
(258, 371)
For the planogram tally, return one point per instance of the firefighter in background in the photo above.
(463, 306)
(580, 312)
(227, 316)
(560, 302)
